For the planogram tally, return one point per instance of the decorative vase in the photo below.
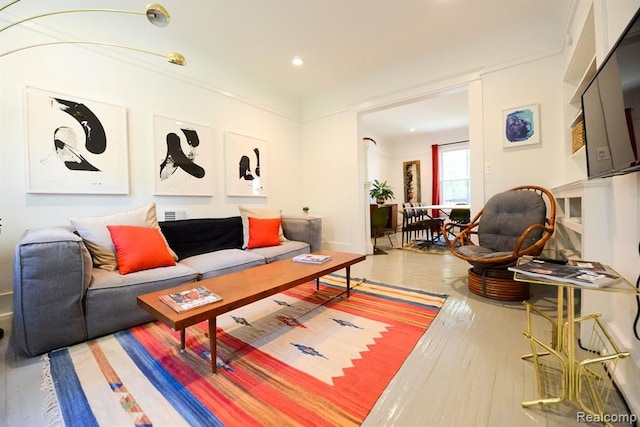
(380, 201)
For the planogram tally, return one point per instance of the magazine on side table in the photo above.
(190, 298)
(578, 272)
(311, 258)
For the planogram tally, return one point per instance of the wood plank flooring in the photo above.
(465, 371)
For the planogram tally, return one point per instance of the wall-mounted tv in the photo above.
(611, 109)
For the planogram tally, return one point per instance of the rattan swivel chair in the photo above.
(514, 223)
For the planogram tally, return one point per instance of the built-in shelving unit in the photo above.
(581, 68)
(582, 217)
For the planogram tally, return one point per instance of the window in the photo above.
(454, 175)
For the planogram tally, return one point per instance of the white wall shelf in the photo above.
(581, 85)
(580, 70)
(583, 218)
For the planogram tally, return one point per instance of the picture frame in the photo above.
(245, 170)
(411, 179)
(521, 126)
(184, 159)
(75, 145)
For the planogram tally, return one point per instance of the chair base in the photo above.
(497, 283)
(378, 251)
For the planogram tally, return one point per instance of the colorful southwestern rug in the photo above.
(302, 357)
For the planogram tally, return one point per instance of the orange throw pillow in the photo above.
(263, 232)
(139, 248)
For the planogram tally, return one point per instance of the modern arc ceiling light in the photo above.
(172, 57)
(155, 13)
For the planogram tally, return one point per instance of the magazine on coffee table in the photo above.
(190, 298)
(584, 273)
(311, 258)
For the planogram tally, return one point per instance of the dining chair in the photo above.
(379, 220)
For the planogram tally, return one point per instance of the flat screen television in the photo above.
(611, 109)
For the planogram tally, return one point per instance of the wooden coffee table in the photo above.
(241, 288)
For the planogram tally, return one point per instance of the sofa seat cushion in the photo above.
(217, 263)
(111, 300)
(287, 249)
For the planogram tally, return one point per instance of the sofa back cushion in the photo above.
(190, 237)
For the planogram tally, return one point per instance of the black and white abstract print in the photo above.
(184, 158)
(245, 158)
(76, 145)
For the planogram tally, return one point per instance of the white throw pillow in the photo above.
(97, 238)
(247, 211)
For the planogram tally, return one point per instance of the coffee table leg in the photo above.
(348, 280)
(317, 284)
(212, 345)
(182, 339)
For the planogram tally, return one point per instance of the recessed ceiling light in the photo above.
(297, 61)
(412, 130)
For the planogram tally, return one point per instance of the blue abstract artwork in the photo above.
(521, 127)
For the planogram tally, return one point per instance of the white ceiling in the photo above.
(429, 115)
(343, 42)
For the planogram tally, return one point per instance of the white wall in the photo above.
(82, 73)
(330, 151)
(379, 161)
(418, 147)
(536, 82)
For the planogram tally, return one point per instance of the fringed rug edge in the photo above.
(51, 412)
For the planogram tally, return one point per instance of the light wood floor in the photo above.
(465, 371)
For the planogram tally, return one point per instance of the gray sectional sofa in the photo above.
(60, 298)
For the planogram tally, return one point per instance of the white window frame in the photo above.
(448, 148)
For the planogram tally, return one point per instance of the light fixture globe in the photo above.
(176, 58)
(158, 15)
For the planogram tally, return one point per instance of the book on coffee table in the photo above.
(311, 258)
(583, 273)
(190, 298)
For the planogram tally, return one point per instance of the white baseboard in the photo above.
(6, 305)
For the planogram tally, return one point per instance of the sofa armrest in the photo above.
(51, 272)
(303, 229)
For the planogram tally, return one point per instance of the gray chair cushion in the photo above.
(506, 216)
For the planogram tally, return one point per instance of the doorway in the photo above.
(395, 134)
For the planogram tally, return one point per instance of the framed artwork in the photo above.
(75, 146)
(521, 126)
(184, 158)
(244, 162)
(411, 174)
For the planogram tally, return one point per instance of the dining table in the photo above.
(445, 208)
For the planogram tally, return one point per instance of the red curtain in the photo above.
(435, 179)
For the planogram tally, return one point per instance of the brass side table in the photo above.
(585, 380)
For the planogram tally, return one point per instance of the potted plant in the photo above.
(305, 209)
(381, 191)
